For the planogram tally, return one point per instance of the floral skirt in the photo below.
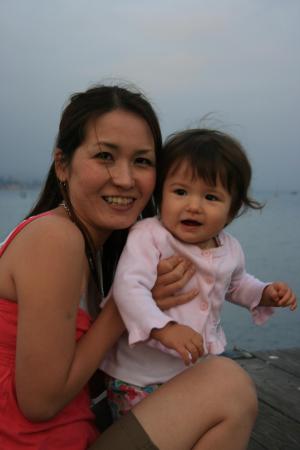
(122, 396)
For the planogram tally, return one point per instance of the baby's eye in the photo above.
(142, 161)
(105, 156)
(211, 197)
(180, 191)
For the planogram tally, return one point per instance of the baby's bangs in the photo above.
(211, 167)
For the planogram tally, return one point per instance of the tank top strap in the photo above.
(17, 230)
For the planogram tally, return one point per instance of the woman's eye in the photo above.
(141, 161)
(180, 192)
(211, 197)
(105, 156)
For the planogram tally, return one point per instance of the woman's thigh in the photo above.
(183, 410)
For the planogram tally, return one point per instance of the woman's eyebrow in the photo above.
(110, 145)
(113, 146)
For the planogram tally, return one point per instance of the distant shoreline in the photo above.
(19, 186)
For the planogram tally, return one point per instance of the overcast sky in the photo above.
(236, 59)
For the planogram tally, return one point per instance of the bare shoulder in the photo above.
(46, 256)
(49, 233)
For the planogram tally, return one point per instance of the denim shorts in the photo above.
(125, 434)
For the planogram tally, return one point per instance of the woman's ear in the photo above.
(60, 165)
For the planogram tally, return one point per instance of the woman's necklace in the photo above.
(66, 208)
(95, 266)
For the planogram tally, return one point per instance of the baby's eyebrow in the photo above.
(179, 184)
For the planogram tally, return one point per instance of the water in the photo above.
(271, 242)
(14, 206)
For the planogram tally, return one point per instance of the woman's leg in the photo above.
(211, 406)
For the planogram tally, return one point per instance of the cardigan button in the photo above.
(209, 279)
(203, 305)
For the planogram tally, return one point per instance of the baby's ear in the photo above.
(60, 165)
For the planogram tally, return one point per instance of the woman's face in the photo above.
(112, 174)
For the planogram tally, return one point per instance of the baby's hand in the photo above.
(181, 338)
(279, 294)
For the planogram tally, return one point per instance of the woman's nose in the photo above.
(122, 175)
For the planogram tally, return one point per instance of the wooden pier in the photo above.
(276, 374)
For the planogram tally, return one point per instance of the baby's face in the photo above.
(193, 210)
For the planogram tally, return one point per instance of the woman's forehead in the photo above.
(120, 123)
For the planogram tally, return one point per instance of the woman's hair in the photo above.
(212, 155)
(81, 109)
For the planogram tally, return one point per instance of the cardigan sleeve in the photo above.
(246, 290)
(135, 276)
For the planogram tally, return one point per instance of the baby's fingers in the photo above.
(289, 299)
(285, 297)
(184, 353)
(195, 351)
(273, 293)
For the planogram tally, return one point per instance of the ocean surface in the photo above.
(271, 242)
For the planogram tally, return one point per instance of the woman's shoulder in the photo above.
(50, 230)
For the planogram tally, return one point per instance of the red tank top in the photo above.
(73, 428)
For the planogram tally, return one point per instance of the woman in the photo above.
(101, 180)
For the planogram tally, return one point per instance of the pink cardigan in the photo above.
(220, 275)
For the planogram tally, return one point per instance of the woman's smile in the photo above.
(118, 201)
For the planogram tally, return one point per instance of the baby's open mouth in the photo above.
(191, 223)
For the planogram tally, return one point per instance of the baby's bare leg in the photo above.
(211, 406)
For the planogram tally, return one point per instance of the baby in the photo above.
(203, 182)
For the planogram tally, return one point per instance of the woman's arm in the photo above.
(51, 368)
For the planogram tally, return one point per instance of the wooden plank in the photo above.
(274, 431)
(253, 445)
(275, 387)
(288, 360)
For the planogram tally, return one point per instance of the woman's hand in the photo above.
(173, 274)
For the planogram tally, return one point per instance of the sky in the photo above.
(237, 61)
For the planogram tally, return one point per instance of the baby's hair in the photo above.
(212, 155)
